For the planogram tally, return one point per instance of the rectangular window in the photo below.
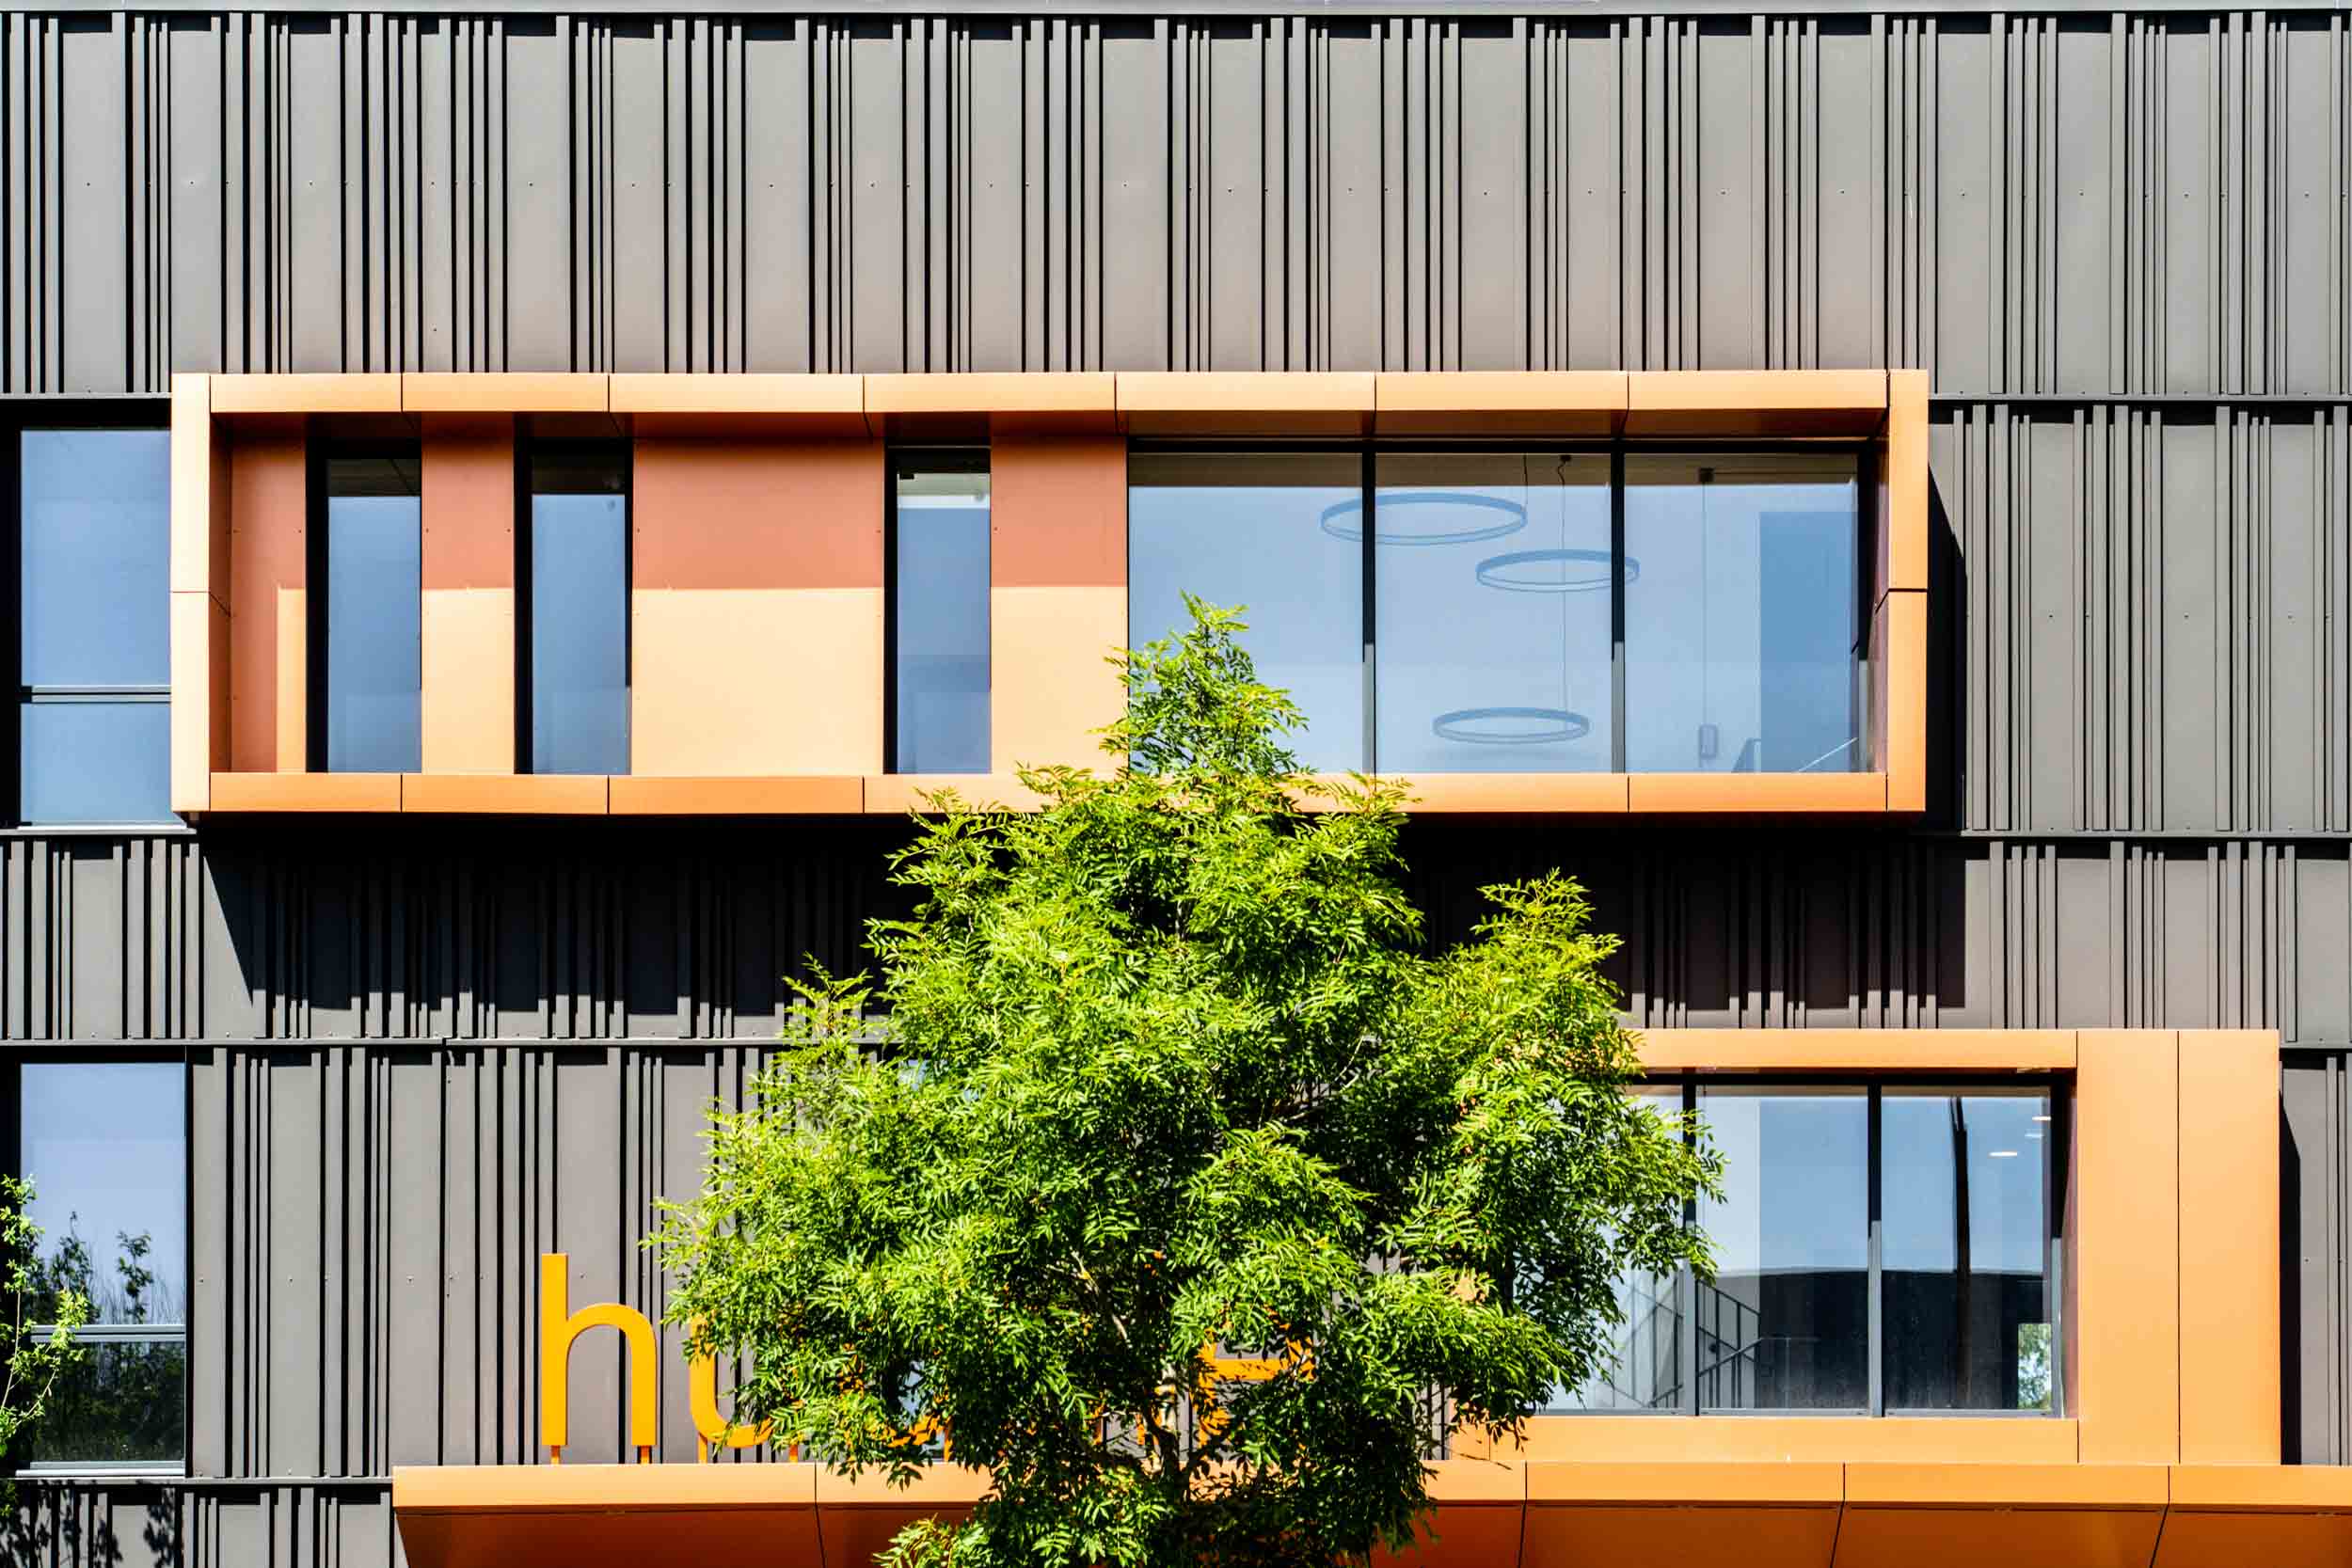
(94, 732)
(371, 558)
(577, 697)
(1878, 1249)
(1602, 609)
(1281, 536)
(939, 612)
(105, 1145)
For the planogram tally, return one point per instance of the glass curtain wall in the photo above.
(939, 558)
(372, 630)
(578, 570)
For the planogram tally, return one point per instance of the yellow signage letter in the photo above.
(558, 1327)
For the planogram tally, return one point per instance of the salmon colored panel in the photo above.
(1859, 1050)
(833, 395)
(267, 530)
(897, 794)
(503, 392)
(305, 394)
(1058, 511)
(468, 642)
(1758, 792)
(1669, 1440)
(1052, 686)
(769, 515)
(1498, 402)
(2127, 1275)
(2229, 1141)
(1904, 531)
(294, 670)
(1904, 659)
(467, 501)
(200, 510)
(1296, 403)
(1603, 793)
(507, 794)
(1969, 1538)
(634, 795)
(990, 392)
(1611, 1536)
(200, 697)
(752, 682)
(338, 792)
(1754, 403)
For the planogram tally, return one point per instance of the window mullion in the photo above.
(1878, 1245)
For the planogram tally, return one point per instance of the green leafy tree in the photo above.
(37, 1342)
(1166, 1176)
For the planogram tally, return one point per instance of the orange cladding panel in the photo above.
(266, 545)
(2228, 1235)
(2126, 1245)
(1744, 792)
(200, 697)
(1058, 513)
(1903, 530)
(2021, 1538)
(1611, 1536)
(468, 615)
(1673, 1445)
(1052, 686)
(1900, 646)
(766, 514)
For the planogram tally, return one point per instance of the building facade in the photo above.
(511, 511)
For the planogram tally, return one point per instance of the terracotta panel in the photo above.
(1754, 403)
(1052, 684)
(294, 683)
(305, 394)
(1903, 530)
(503, 392)
(266, 545)
(634, 795)
(2240, 1515)
(1753, 1439)
(1758, 792)
(2127, 1277)
(1298, 403)
(770, 515)
(509, 793)
(1599, 1536)
(605, 1515)
(1015, 393)
(1498, 402)
(467, 701)
(1904, 661)
(1859, 1050)
(1058, 511)
(897, 794)
(2021, 1538)
(2230, 1326)
(738, 394)
(199, 495)
(467, 501)
(338, 792)
(755, 682)
(200, 697)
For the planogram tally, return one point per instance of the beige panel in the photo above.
(635, 795)
(1498, 402)
(200, 525)
(2229, 1140)
(294, 688)
(1905, 527)
(1758, 792)
(468, 680)
(1304, 403)
(1052, 681)
(756, 681)
(738, 394)
(1014, 392)
(502, 392)
(200, 697)
(1679, 1439)
(1602, 793)
(1859, 1050)
(2127, 1246)
(335, 792)
(305, 394)
(505, 794)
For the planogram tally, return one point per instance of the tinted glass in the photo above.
(105, 1146)
(940, 618)
(123, 1402)
(1786, 1325)
(579, 613)
(1963, 1260)
(374, 604)
(97, 536)
(1644, 1366)
(1280, 534)
(1740, 613)
(95, 761)
(1492, 573)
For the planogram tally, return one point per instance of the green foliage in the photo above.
(1162, 1073)
(37, 1344)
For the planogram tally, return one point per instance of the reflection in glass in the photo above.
(375, 602)
(96, 545)
(1492, 572)
(105, 1146)
(939, 596)
(1963, 1261)
(1644, 1372)
(1248, 528)
(95, 760)
(1786, 1323)
(1740, 630)
(579, 610)
(125, 1401)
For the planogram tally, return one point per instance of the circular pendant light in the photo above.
(1493, 517)
(1509, 571)
(1511, 726)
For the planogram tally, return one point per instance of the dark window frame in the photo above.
(14, 1060)
(1864, 452)
(528, 445)
(16, 422)
(318, 563)
(2057, 1172)
(934, 457)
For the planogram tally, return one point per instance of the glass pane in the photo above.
(106, 1147)
(1493, 573)
(1282, 534)
(579, 613)
(939, 596)
(1740, 613)
(1786, 1325)
(124, 1403)
(1646, 1369)
(1965, 1257)
(95, 761)
(374, 652)
(97, 540)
